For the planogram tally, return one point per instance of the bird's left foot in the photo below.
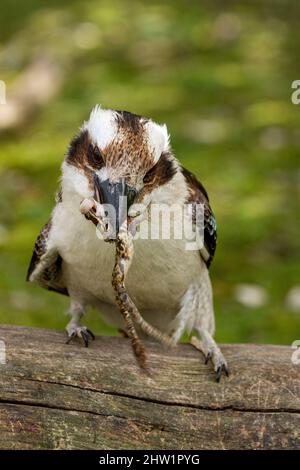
(81, 332)
(212, 353)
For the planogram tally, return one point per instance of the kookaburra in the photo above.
(118, 154)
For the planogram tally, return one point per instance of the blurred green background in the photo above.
(220, 77)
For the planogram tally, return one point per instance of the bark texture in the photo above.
(58, 396)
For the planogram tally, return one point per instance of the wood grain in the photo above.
(58, 396)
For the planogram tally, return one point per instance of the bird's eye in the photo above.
(97, 153)
(148, 178)
(161, 172)
(95, 157)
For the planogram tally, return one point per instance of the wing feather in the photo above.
(198, 195)
(45, 266)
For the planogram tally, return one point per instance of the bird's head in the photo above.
(116, 155)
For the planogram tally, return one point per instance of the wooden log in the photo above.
(58, 396)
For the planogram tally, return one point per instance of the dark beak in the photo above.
(117, 197)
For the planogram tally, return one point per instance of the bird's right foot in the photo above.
(81, 332)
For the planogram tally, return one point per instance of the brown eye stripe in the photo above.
(78, 149)
(83, 154)
(162, 172)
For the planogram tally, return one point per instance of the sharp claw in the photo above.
(220, 369)
(91, 334)
(208, 357)
(85, 338)
(70, 338)
(218, 373)
(82, 333)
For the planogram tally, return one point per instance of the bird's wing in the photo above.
(45, 264)
(198, 195)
